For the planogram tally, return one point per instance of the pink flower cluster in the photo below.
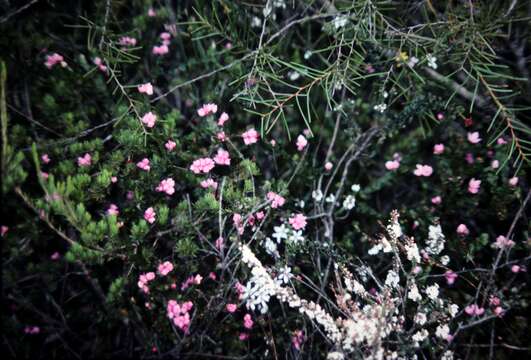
(192, 280)
(150, 215)
(503, 243)
(298, 221)
(54, 59)
(112, 210)
(301, 142)
(144, 164)
(170, 145)
(473, 186)
(209, 183)
(276, 199)
(127, 41)
(231, 308)
(32, 330)
(248, 321)
(297, 339)
(203, 165)
(474, 310)
(149, 119)
(450, 277)
(224, 117)
(85, 160)
(165, 268)
(146, 88)
(392, 165)
(144, 280)
(462, 230)
(161, 50)
(222, 157)
(438, 149)
(179, 314)
(423, 170)
(250, 136)
(99, 63)
(167, 186)
(207, 109)
(473, 138)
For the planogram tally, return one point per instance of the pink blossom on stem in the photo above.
(392, 165)
(222, 157)
(149, 119)
(54, 59)
(438, 149)
(203, 165)
(85, 160)
(450, 277)
(503, 243)
(513, 181)
(276, 199)
(301, 142)
(462, 230)
(250, 136)
(170, 145)
(423, 170)
(248, 321)
(473, 137)
(328, 166)
(150, 215)
(436, 200)
(207, 109)
(231, 308)
(45, 158)
(167, 186)
(165, 268)
(160, 50)
(221, 136)
(146, 88)
(144, 164)
(298, 221)
(223, 119)
(473, 186)
(112, 210)
(209, 183)
(495, 164)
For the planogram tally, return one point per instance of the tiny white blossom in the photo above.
(453, 310)
(421, 318)
(392, 279)
(355, 188)
(432, 61)
(448, 355)
(349, 202)
(445, 260)
(294, 75)
(271, 247)
(317, 195)
(380, 107)
(281, 232)
(284, 275)
(433, 291)
(442, 331)
(331, 198)
(307, 54)
(339, 22)
(296, 237)
(414, 293)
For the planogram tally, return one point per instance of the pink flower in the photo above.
(392, 165)
(45, 158)
(243, 336)
(207, 109)
(165, 268)
(473, 138)
(298, 221)
(301, 142)
(170, 145)
(146, 88)
(474, 310)
(32, 330)
(212, 276)
(209, 183)
(260, 215)
(55, 256)
(450, 277)
(112, 210)
(85, 160)
(513, 181)
(114, 179)
(54, 59)
(328, 166)
(144, 164)
(495, 164)
(250, 136)
(436, 200)
(222, 157)
(179, 314)
(440, 116)
(151, 12)
(503, 243)
(127, 41)
(161, 50)
(44, 175)
(297, 339)
(515, 269)
(276, 199)
(501, 141)
(462, 230)
(99, 63)
(498, 311)
(203, 165)
(438, 149)
(248, 321)
(423, 170)
(494, 300)
(236, 219)
(150, 215)
(223, 118)
(167, 186)
(165, 36)
(219, 243)
(473, 186)
(469, 158)
(231, 308)
(221, 136)
(149, 119)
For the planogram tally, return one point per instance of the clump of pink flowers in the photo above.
(224, 117)
(146, 88)
(127, 41)
(99, 63)
(170, 145)
(203, 165)
(503, 243)
(438, 149)
(298, 221)
(209, 183)
(474, 310)
(231, 308)
(160, 50)
(150, 215)
(207, 109)
(423, 170)
(167, 186)
(144, 280)
(250, 137)
(473, 137)
(473, 186)
(165, 268)
(222, 157)
(301, 142)
(392, 165)
(248, 321)
(276, 199)
(85, 160)
(54, 59)
(179, 314)
(112, 210)
(192, 280)
(144, 164)
(462, 230)
(149, 119)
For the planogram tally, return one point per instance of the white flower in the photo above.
(339, 22)
(331, 198)
(442, 331)
(281, 232)
(412, 252)
(317, 195)
(419, 336)
(445, 260)
(307, 54)
(392, 279)
(335, 355)
(296, 237)
(375, 249)
(436, 239)
(284, 275)
(414, 293)
(294, 75)
(420, 318)
(256, 21)
(380, 107)
(432, 61)
(453, 309)
(271, 247)
(412, 61)
(448, 355)
(433, 291)
(355, 188)
(349, 202)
